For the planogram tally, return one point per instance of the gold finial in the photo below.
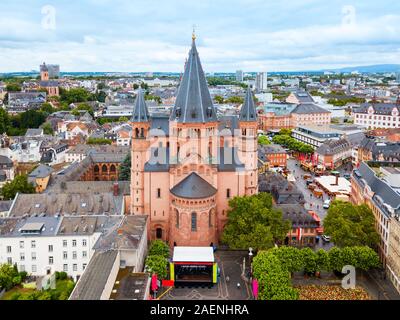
(194, 33)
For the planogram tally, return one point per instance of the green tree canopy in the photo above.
(273, 278)
(47, 128)
(13, 87)
(253, 222)
(125, 169)
(98, 141)
(158, 265)
(159, 248)
(74, 95)
(351, 225)
(20, 184)
(263, 140)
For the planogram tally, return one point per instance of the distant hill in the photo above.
(377, 68)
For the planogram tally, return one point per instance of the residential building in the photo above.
(239, 75)
(334, 153)
(261, 82)
(44, 245)
(40, 177)
(377, 115)
(274, 154)
(379, 189)
(22, 101)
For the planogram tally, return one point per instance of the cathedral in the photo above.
(186, 167)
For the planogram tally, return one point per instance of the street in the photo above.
(312, 203)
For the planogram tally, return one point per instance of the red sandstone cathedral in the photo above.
(186, 167)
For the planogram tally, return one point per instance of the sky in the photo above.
(152, 35)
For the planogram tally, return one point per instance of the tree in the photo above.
(273, 278)
(219, 99)
(235, 100)
(310, 260)
(31, 119)
(47, 128)
(252, 222)
(13, 87)
(263, 140)
(351, 225)
(159, 248)
(322, 260)
(365, 258)
(157, 265)
(20, 184)
(290, 257)
(125, 169)
(335, 259)
(74, 95)
(123, 119)
(4, 121)
(47, 108)
(98, 141)
(8, 276)
(86, 107)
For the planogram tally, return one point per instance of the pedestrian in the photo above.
(227, 279)
(238, 285)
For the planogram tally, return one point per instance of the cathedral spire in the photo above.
(140, 111)
(248, 111)
(193, 102)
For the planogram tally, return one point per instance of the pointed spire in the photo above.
(193, 102)
(248, 111)
(140, 111)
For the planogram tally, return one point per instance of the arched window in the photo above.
(104, 168)
(177, 218)
(112, 168)
(96, 169)
(194, 221)
(159, 233)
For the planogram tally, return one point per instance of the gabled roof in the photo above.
(305, 108)
(193, 187)
(193, 103)
(248, 111)
(140, 111)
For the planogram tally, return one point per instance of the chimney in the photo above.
(116, 189)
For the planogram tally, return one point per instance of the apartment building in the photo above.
(379, 189)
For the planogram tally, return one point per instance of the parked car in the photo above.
(347, 176)
(326, 238)
(327, 204)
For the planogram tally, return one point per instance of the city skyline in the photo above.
(126, 36)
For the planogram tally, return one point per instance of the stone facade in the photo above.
(186, 194)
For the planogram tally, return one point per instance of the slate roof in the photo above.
(379, 108)
(331, 147)
(297, 215)
(92, 282)
(6, 161)
(41, 171)
(33, 132)
(193, 102)
(193, 187)
(140, 111)
(305, 108)
(248, 112)
(303, 97)
(383, 193)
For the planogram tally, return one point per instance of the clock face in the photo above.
(370, 110)
(395, 112)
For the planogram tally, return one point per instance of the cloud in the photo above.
(122, 35)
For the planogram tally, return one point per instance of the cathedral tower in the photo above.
(140, 122)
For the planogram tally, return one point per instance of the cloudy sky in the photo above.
(152, 35)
